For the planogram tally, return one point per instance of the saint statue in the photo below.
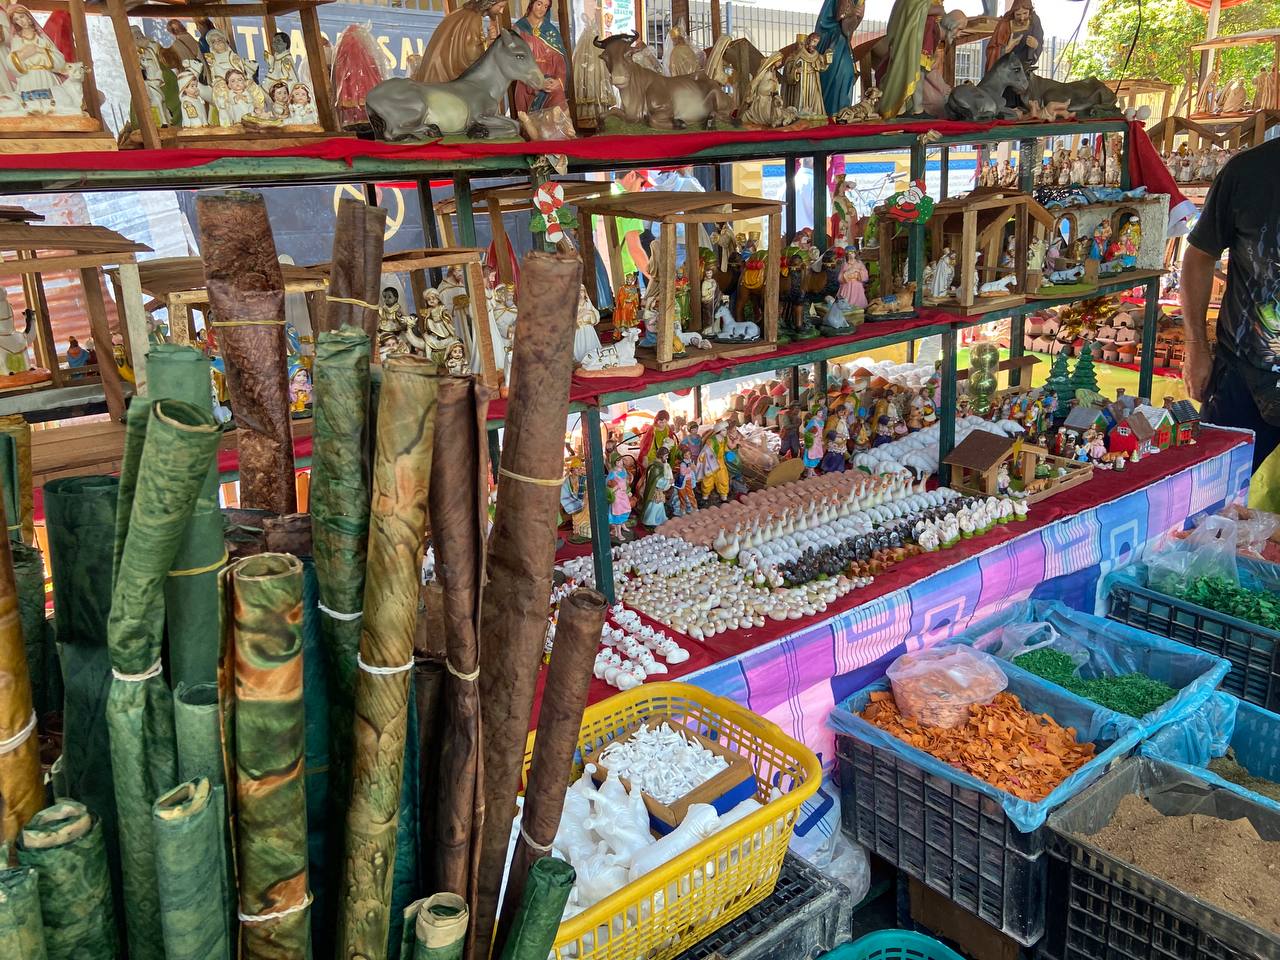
(838, 21)
(1018, 30)
(152, 74)
(594, 94)
(459, 40)
(944, 271)
(36, 63)
(544, 39)
(802, 77)
(194, 98)
(679, 59)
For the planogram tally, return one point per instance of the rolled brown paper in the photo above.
(355, 268)
(15, 424)
(458, 503)
(513, 618)
(246, 296)
(559, 721)
(428, 694)
(21, 788)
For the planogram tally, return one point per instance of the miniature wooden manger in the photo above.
(261, 133)
(59, 132)
(670, 209)
(977, 459)
(177, 285)
(416, 263)
(977, 224)
(500, 201)
(39, 251)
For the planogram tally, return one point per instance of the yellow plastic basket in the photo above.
(672, 908)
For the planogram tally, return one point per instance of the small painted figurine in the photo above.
(392, 324)
(709, 297)
(573, 500)
(455, 359)
(618, 486)
(658, 480)
(585, 338)
(802, 77)
(853, 278)
(13, 345)
(1130, 242)
(686, 499)
(834, 460)
(710, 468)
(813, 448)
(626, 305)
(77, 356)
(789, 433)
(299, 389)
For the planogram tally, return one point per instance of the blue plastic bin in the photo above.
(1116, 649)
(1253, 650)
(893, 945)
(1222, 722)
(980, 847)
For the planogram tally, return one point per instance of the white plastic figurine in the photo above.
(13, 345)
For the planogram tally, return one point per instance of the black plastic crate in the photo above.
(1107, 909)
(956, 841)
(807, 914)
(1254, 651)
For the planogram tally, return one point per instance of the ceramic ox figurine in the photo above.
(404, 109)
(656, 100)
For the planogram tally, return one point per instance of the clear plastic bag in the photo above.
(938, 686)
(818, 838)
(1012, 640)
(1210, 551)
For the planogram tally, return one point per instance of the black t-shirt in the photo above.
(1242, 214)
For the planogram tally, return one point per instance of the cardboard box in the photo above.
(724, 791)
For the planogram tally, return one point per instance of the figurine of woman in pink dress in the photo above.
(853, 276)
(618, 487)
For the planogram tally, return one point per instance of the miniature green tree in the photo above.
(1059, 382)
(1084, 377)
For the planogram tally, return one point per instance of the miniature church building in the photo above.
(1186, 420)
(1130, 436)
(977, 460)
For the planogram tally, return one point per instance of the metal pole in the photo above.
(371, 194)
(495, 451)
(1027, 164)
(915, 232)
(820, 200)
(820, 377)
(697, 403)
(430, 229)
(466, 215)
(1150, 314)
(790, 199)
(944, 171)
(598, 504)
(793, 388)
(947, 415)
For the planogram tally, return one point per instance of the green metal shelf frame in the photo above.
(264, 172)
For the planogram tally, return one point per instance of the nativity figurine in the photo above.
(585, 338)
(1017, 31)
(652, 99)
(544, 39)
(593, 93)
(764, 105)
(838, 22)
(459, 40)
(13, 344)
(802, 77)
(45, 83)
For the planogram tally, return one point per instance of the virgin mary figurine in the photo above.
(459, 40)
(544, 39)
(837, 22)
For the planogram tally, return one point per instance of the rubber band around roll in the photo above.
(196, 571)
(19, 738)
(538, 481)
(277, 915)
(382, 671)
(151, 671)
(533, 845)
(471, 677)
(337, 615)
(353, 301)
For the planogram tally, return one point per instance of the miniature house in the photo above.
(1186, 420)
(1082, 419)
(1161, 425)
(982, 228)
(1130, 436)
(977, 459)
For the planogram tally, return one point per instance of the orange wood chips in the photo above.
(1023, 753)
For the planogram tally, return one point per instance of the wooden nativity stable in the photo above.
(177, 285)
(976, 461)
(500, 201)
(32, 252)
(670, 209)
(977, 228)
(147, 131)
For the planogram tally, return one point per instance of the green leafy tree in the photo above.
(1169, 27)
(1084, 377)
(1059, 382)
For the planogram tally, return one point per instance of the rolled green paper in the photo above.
(21, 930)
(397, 528)
(80, 520)
(404, 882)
(339, 501)
(322, 835)
(10, 483)
(15, 426)
(63, 844)
(533, 933)
(37, 634)
(191, 862)
(270, 743)
(21, 779)
(136, 422)
(196, 727)
(193, 610)
(435, 928)
(181, 441)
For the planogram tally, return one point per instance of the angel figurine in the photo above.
(194, 98)
(35, 61)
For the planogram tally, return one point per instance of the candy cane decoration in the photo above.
(549, 198)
